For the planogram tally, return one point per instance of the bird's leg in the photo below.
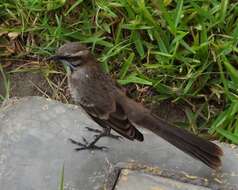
(91, 145)
(106, 131)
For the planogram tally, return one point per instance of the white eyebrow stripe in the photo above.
(79, 53)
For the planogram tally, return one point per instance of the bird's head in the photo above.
(72, 54)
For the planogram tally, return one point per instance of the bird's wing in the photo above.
(104, 109)
(118, 121)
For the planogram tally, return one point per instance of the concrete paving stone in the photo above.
(131, 180)
(34, 147)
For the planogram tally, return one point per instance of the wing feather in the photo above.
(102, 105)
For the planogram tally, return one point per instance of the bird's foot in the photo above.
(105, 132)
(87, 146)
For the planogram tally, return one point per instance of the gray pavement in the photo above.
(34, 147)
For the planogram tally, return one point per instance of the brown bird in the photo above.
(106, 104)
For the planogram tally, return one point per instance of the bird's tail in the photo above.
(201, 149)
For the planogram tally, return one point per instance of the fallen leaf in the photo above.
(13, 35)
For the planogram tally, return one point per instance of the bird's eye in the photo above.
(76, 63)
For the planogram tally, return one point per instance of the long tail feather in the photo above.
(201, 149)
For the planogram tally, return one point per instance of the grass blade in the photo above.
(179, 12)
(232, 71)
(73, 7)
(126, 66)
(228, 135)
(61, 186)
(134, 79)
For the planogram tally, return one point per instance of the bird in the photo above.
(108, 105)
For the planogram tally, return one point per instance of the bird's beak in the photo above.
(54, 58)
(62, 59)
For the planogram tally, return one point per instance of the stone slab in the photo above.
(34, 147)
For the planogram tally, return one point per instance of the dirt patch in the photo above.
(26, 84)
(170, 112)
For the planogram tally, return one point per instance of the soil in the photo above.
(25, 84)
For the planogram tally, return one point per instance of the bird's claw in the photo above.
(94, 130)
(92, 147)
(87, 146)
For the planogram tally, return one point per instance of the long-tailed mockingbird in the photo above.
(106, 104)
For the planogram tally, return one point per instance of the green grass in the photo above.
(183, 50)
(6, 85)
(61, 182)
